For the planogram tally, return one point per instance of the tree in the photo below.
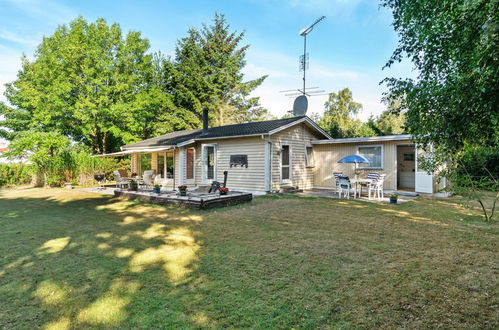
(338, 118)
(454, 45)
(206, 74)
(89, 83)
(391, 121)
(42, 149)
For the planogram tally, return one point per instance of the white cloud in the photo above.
(19, 39)
(10, 63)
(46, 11)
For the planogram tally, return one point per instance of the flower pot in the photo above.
(157, 190)
(183, 192)
(393, 201)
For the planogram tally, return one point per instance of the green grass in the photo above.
(70, 259)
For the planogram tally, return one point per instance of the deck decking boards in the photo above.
(200, 201)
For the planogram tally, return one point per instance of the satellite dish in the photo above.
(300, 106)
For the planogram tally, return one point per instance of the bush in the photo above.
(15, 173)
(479, 164)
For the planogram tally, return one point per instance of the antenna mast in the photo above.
(304, 57)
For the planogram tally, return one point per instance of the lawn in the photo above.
(71, 259)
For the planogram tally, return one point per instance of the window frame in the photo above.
(204, 164)
(307, 160)
(289, 166)
(382, 156)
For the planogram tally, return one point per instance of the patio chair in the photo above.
(344, 186)
(120, 181)
(123, 173)
(337, 175)
(377, 187)
(148, 178)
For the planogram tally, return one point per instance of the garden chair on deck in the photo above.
(148, 178)
(120, 181)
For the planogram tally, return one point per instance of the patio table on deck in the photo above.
(359, 182)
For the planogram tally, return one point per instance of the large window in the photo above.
(189, 164)
(374, 154)
(165, 163)
(145, 162)
(285, 163)
(160, 164)
(309, 157)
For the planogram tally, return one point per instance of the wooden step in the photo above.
(291, 189)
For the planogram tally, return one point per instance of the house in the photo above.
(269, 155)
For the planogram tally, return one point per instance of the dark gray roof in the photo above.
(253, 128)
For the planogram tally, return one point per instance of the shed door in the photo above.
(424, 180)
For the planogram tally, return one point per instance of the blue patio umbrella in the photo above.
(354, 159)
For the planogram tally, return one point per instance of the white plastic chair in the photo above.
(377, 187)
(148, 178)
(120, 181)
(337, 176)
(344, 186)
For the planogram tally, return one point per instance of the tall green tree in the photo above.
(88, 82)
(339, 116)
(391, 121)
(454, 46)
(453, 103)
(207, 74)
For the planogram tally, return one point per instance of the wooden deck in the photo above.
(193, 200)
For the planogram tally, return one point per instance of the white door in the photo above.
(286, 164)
(424, 180)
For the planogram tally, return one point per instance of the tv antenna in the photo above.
(301, 102)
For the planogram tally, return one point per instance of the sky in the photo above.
(347, 49)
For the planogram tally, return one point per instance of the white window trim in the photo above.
(307, 164)
(203, 162)
(382, 156)
(190, 181)
(290, 163)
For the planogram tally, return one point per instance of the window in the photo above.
(285, 162)
(210, 162)
(169, 165)
(160, 164)
(309, 157)
(374, 154)
(165, 163)
(145, 162)
(189, 164)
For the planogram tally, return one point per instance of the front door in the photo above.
(209, 163)
(424, 180)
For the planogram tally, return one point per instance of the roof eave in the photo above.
(400, 137)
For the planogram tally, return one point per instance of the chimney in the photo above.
(205, 121)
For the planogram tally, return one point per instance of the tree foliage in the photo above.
(454, 45)
(88, 82)
(338, 119)
(391, 121)
(207, 74)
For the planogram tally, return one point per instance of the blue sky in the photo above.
(348, 49)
